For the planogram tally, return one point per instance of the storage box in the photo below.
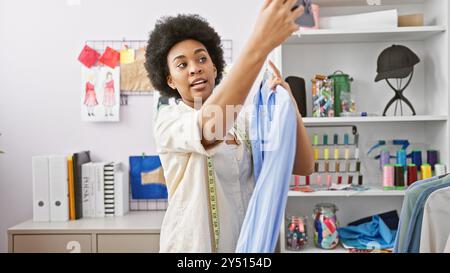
(379, 19)
(411, 20)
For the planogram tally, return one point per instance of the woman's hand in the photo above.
(277, 79)
(275, 23)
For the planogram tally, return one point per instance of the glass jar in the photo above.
(296, 233)
(325, 226)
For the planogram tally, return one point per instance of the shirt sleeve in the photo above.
(180, 132)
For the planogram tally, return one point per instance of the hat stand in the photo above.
(399, 97)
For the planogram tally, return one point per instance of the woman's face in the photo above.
(192, 71)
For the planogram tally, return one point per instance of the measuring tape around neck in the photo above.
(212, 196)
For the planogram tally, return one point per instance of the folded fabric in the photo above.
(372, 235)
(110, 57)
(88, 56)
(390, 219)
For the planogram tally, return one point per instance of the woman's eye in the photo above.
(181, 65)
(203, 59)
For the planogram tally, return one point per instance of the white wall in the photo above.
(40, 82)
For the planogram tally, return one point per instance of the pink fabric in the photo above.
(110, 57)
(88, 56)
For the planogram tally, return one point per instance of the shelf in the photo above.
(372, 192)
(351, 120)
(343, 3)
(313, 249)
(400, 34)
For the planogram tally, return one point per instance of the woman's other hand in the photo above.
(276, 23)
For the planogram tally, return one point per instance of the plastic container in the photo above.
(325, 226)
(296, 233)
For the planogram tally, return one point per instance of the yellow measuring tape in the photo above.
(212, 193)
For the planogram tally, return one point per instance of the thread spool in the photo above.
(315, 140)
(416, 158)
(360, 180)
(401, 158)
(308, 180)
(325, 139)
(412, 174)
(432, 158)
(337, 167)
(358, 166)
(327, 166)
(316, 167)
(326, 154)
(336, 139)
(346, 139)
(347, 154)
(339, 180)
(388, 177)
(426, 171)
(440, 169)
(316, 154)
(399, 177)
(329, 181)
(319, 180)
(336, 154)
(297, 182)
(357, 153)
(385, 158)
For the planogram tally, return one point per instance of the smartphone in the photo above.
(307, 18)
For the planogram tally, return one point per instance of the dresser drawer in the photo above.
(61, 243)
(133, 243)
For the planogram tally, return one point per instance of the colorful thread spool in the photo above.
(426, 171)
(326, 154)
(385, 158)
(416, 158)
(336, 139)
(440, 169)
(412, 174)
(336, 154)
(388, 177)
(401, 158)
(315, 140)
(346, 139)
(399, 177)
(329, 181)
(316, 154)
(325, 139)
(432, 158)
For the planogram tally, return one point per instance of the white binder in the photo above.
(99, 190)
(121, 194)
(41, 192)
(59, 188)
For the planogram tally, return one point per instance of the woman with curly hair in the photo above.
(184, 60)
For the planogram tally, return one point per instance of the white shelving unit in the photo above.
(355, 52)
(380, 119)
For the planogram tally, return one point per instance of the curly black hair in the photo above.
(168, 32)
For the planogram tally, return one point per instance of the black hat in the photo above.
(396, 62)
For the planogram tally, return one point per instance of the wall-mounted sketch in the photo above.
(100, 93)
